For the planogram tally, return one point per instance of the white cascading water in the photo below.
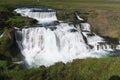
(45, 46)
(1, 35)
(41, 15)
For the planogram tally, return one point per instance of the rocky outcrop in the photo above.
(8, 47)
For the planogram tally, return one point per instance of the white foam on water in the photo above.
(36, 13)
(44, 46)
(1, 35)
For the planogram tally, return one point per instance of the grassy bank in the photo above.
(88, 69)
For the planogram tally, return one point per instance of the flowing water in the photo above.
(57, 43)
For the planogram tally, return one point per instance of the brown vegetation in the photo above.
(106, 23)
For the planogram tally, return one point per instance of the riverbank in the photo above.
(88, 69)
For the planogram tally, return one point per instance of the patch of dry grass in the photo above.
(107, 23)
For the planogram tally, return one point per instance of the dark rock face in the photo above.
(53, 28)
(9, 49)
(111, 40)
(91, 34)
(56, 23)
(19, 36)
(73, 30)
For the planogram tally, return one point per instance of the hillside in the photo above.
(89, 69)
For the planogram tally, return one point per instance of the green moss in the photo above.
(19, 21)
(3, 64)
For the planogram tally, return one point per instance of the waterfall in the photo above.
(59, 43)
(42, 46)
(1, 35)
(41, 15)
(78, 17)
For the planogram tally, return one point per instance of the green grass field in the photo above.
(67, 4)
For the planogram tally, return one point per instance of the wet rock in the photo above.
(53, 28)
(73, 30)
